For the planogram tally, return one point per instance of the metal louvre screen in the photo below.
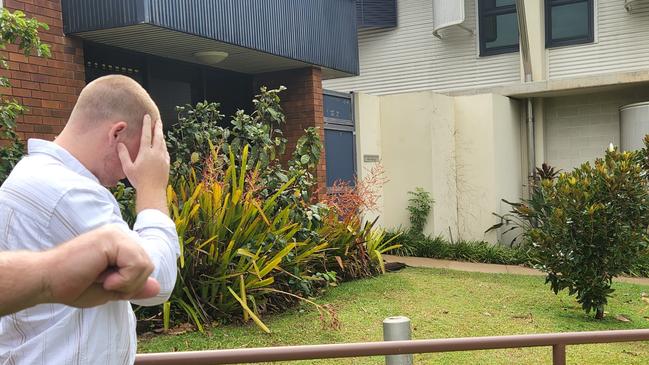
(376, 13)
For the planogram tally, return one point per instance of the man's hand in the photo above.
(149, 173)
(100, 266)
(97, 267)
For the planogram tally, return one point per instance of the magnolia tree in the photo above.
(589, 225)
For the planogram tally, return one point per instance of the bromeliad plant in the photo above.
(201, 126)
(377, 244)
(253, 239)
(237, 251)
(355, 248)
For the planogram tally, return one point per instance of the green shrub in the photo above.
(260, 130)
(483, 252)
(347, 253)
(471, 251)
(355, 248)
(641, 265)
(252, 240)
(201, 128)
(241, 255)
(125, 197)
(15, 29)
(419, 206)
(237, 252)
(590, 225)
(188, 141)
(377, 244)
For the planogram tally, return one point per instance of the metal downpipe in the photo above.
(528, 77)
(531, 144)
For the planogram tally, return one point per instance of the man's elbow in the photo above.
(165, 273)
(166, 290)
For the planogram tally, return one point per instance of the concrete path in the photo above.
(486, 268)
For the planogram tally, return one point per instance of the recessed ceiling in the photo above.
(150, 39)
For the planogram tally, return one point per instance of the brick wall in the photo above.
(578, 128)
(48, 87)
(303, 106)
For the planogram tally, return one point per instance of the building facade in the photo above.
(502, 86)
(460, 97)
(184, 52)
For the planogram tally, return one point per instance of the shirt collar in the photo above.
(39, 146)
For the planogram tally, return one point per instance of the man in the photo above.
(97, 267)
(57, 192)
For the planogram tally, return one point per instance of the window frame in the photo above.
(590, 38)
(499, 10)
(341, 125)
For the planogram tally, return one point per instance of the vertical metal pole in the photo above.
(558, 354)
(397, 329)
(531, 145)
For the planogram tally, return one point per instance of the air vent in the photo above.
(376, 13)
(446, 14)
(631, 5)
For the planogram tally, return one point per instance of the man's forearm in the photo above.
(151, 199)
(21, 280)
(97, 267)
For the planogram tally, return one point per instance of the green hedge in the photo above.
(480, 252)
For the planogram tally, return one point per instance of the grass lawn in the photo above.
(441, 304)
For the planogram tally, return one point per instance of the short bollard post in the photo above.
(397, 329)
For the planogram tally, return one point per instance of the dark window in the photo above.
(339, 148)
(498, 26)
(338, 109)
(339, 138)
(569, 22)
(172, 84)
(101, 61)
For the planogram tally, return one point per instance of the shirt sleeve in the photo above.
(159, 239)
(81, 210)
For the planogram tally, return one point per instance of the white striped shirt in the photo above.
(50, 198)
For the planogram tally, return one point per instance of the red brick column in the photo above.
(303, 106)
(47, 87)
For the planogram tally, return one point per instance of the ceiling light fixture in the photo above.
(211, 57)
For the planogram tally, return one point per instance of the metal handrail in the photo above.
(558, 341)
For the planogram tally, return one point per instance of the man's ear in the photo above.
(117, 132)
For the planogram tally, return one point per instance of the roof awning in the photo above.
(259, 36)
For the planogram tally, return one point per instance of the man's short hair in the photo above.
(114, 98)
